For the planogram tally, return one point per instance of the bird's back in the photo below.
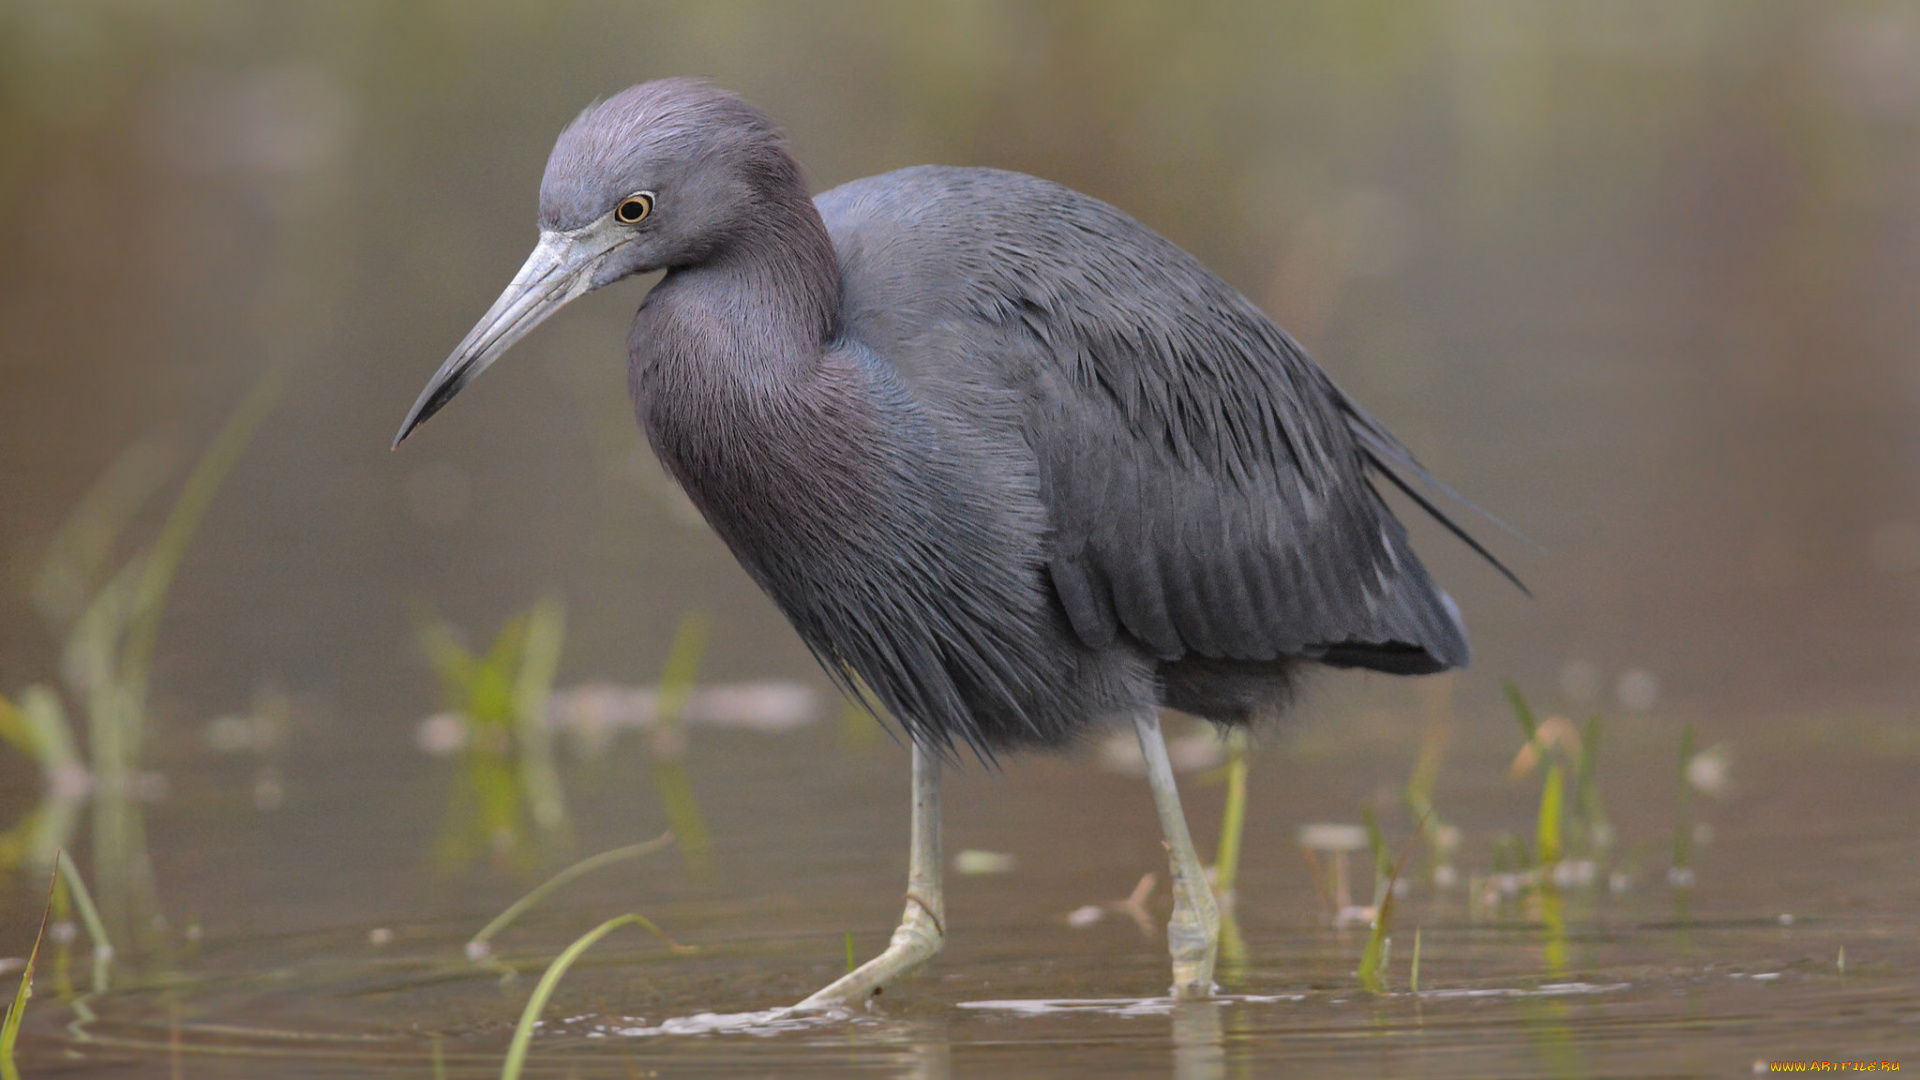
(1205, 485)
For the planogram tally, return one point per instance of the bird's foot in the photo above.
(917, 940)
(1193, 937)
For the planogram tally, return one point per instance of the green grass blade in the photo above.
(1413, 977)
(1583, 771)
(1382, 861)
(10, 1029)
(1419, 793)
(451, 661)
(1549, 834)
(1426, 767)
(1683, 805)
(77, 558)
(539, 662)
(683, 667)
(1522, 711)
(478, 943)
(38, 727)
(684, 820)
(1233, 819)
(90, 917)
(14, 729)
(523, 1031)
(540, 656)
(52, 733)
(1597, 833)
(670, 774)
(1373, 958)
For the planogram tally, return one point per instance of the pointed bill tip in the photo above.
(561, 267)
(446, 383)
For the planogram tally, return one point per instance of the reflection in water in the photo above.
(1549, 1028)
(1198, 1052)
(108, 618)
(508, 801)
(670, 773)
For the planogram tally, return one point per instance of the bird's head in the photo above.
(666, 174)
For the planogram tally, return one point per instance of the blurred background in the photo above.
(1640, 279)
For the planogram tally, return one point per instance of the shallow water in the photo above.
(1638, 278)
(1811, 852)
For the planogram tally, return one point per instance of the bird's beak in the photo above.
(563, 265)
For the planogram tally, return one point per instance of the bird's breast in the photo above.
(781, 470)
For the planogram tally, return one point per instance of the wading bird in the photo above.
(1001, 453)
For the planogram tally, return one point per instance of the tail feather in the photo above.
(1390, 458)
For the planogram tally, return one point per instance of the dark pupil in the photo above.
(633, 210)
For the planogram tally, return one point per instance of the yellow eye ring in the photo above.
(634, 208)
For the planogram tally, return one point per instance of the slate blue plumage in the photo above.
(996, 449)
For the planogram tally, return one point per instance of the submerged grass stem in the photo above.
(90, 916)
(478, 947)
(543, 990)
(670, 744)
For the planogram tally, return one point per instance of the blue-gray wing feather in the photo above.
(1206, 485)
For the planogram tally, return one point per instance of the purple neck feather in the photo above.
(738, 387)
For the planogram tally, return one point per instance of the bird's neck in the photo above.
(740, 387)
(753, 316)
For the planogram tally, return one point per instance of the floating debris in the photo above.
(1081, 918)
(973, 862)
(441, 734)
(596, 711)
(1134, 906)
(1569, 989)
(1575, 873)
(1340, 841)
(1156, 1006)
(771, 706)
(1555, 732)
(1709, 771)
(1336, 838)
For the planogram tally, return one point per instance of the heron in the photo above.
(1009, 461)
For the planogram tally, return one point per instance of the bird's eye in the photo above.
(634, 208)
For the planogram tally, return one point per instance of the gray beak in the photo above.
(563, 266)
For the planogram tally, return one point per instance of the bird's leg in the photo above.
(922, 928)
(1193, 936)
